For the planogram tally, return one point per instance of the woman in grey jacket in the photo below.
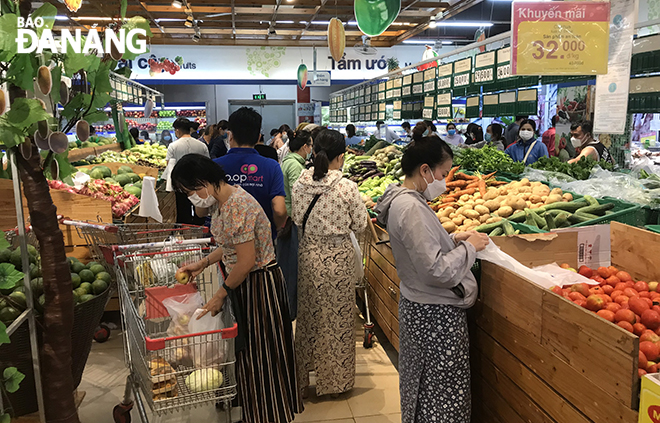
(436, 289)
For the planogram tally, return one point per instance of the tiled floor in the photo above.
(375, 398)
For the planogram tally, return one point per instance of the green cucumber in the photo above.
(551, 222)
(588, 215)
(518, 217)
(508, 228)
(571, 206)
(598, 210)
(591, 200)
(561, 220)
(496, 232)
(539, 220)
(529, 220)
(489, 227)
(577, 218)
(517, 232)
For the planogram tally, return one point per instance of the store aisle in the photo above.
(375, 398)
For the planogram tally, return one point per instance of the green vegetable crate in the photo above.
(623, 212)
(653, 228)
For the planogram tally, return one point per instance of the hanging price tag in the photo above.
(560, 38)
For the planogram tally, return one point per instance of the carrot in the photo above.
(448, 199)
(470, 191)
(450, 175)
(490, 175)
(482, 187)
(457, 184)
(445, 205)
(464, 176)
(497, 183)
(474, 184)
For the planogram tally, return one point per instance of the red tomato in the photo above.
(641, 286)
(638, 329)
(624, 276)
(626, 325)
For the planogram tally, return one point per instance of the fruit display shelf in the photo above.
(532, 346)
(81, 153)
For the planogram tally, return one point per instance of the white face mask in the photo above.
(204, 203)
(285, 138)
(526, 135)
(576, 142)
(435, 188)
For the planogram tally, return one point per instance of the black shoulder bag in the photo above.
(309, 211)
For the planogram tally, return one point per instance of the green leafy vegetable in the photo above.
(12, 379)
(9, 276)
(580, 170)
(4, 338)
(3, 241)
(486, 160)
(5, 418)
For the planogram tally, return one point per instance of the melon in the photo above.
(123, 179)
(105, 169)
(124, 169)
(136, 191)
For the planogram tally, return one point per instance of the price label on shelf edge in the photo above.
(560, 38)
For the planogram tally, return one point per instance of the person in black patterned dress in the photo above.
(437, 287)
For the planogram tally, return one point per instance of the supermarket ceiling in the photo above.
(294, 22)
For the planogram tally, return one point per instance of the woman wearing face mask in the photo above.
(452, 137)
(493, 137)
(265, 357)
(420, 131)
(184, 145)
(528, 149)
(584, 142)
(287, 240)
(436, 285)
(327, 208)
(165, 138)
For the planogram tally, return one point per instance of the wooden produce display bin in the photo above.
(73, 206)
(383, 286)
(83, 153)
(137, 169)
(537, 357)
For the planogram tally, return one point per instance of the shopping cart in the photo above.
(164, 366)
(365, 246)
(101, 237)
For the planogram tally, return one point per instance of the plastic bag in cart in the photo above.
(181, 309)
(207, 350)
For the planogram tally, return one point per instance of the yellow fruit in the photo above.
(182, 277)
(3, 102)
(145, 275)
(336, 39)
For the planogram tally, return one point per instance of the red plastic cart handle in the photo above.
(159, 343)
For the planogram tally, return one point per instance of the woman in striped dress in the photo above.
(265, 357)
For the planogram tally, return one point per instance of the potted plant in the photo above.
(392, 64)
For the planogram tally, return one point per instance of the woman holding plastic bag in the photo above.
(437, 287)
(265, 357)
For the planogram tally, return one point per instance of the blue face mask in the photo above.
(488, 137)
(451, 131)
(167, 138)
(426, 133)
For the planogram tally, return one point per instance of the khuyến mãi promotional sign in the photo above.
(560, 38)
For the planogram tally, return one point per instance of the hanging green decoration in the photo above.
(375, 16)
(302, 76)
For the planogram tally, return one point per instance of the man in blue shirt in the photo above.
(260, 176)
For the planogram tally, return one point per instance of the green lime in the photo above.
(5, 255)
(87, 275)
(37, 286)
(86, 298)
(97, 268)
(18, 300)
(104, 276)
(92, 264)
(9, 314)
(99, 286)
(16, 259)
(33, 251)
(87, 287)
(77, 267)
(35, 271)
(76, 297)
(75, 280)
(79, 292)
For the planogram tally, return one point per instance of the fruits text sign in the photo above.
(560, 38)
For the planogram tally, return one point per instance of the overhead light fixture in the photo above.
(91, 18)
(425, 42)
(177, 3)
(285, 22)
(61, 18)
(189, 22)
(465, 24)
(169, 20)
(320, 22)
(433, 23)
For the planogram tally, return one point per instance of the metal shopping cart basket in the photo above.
(101, 237)
(170, 372)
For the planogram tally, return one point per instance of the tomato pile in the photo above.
(632, 305)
